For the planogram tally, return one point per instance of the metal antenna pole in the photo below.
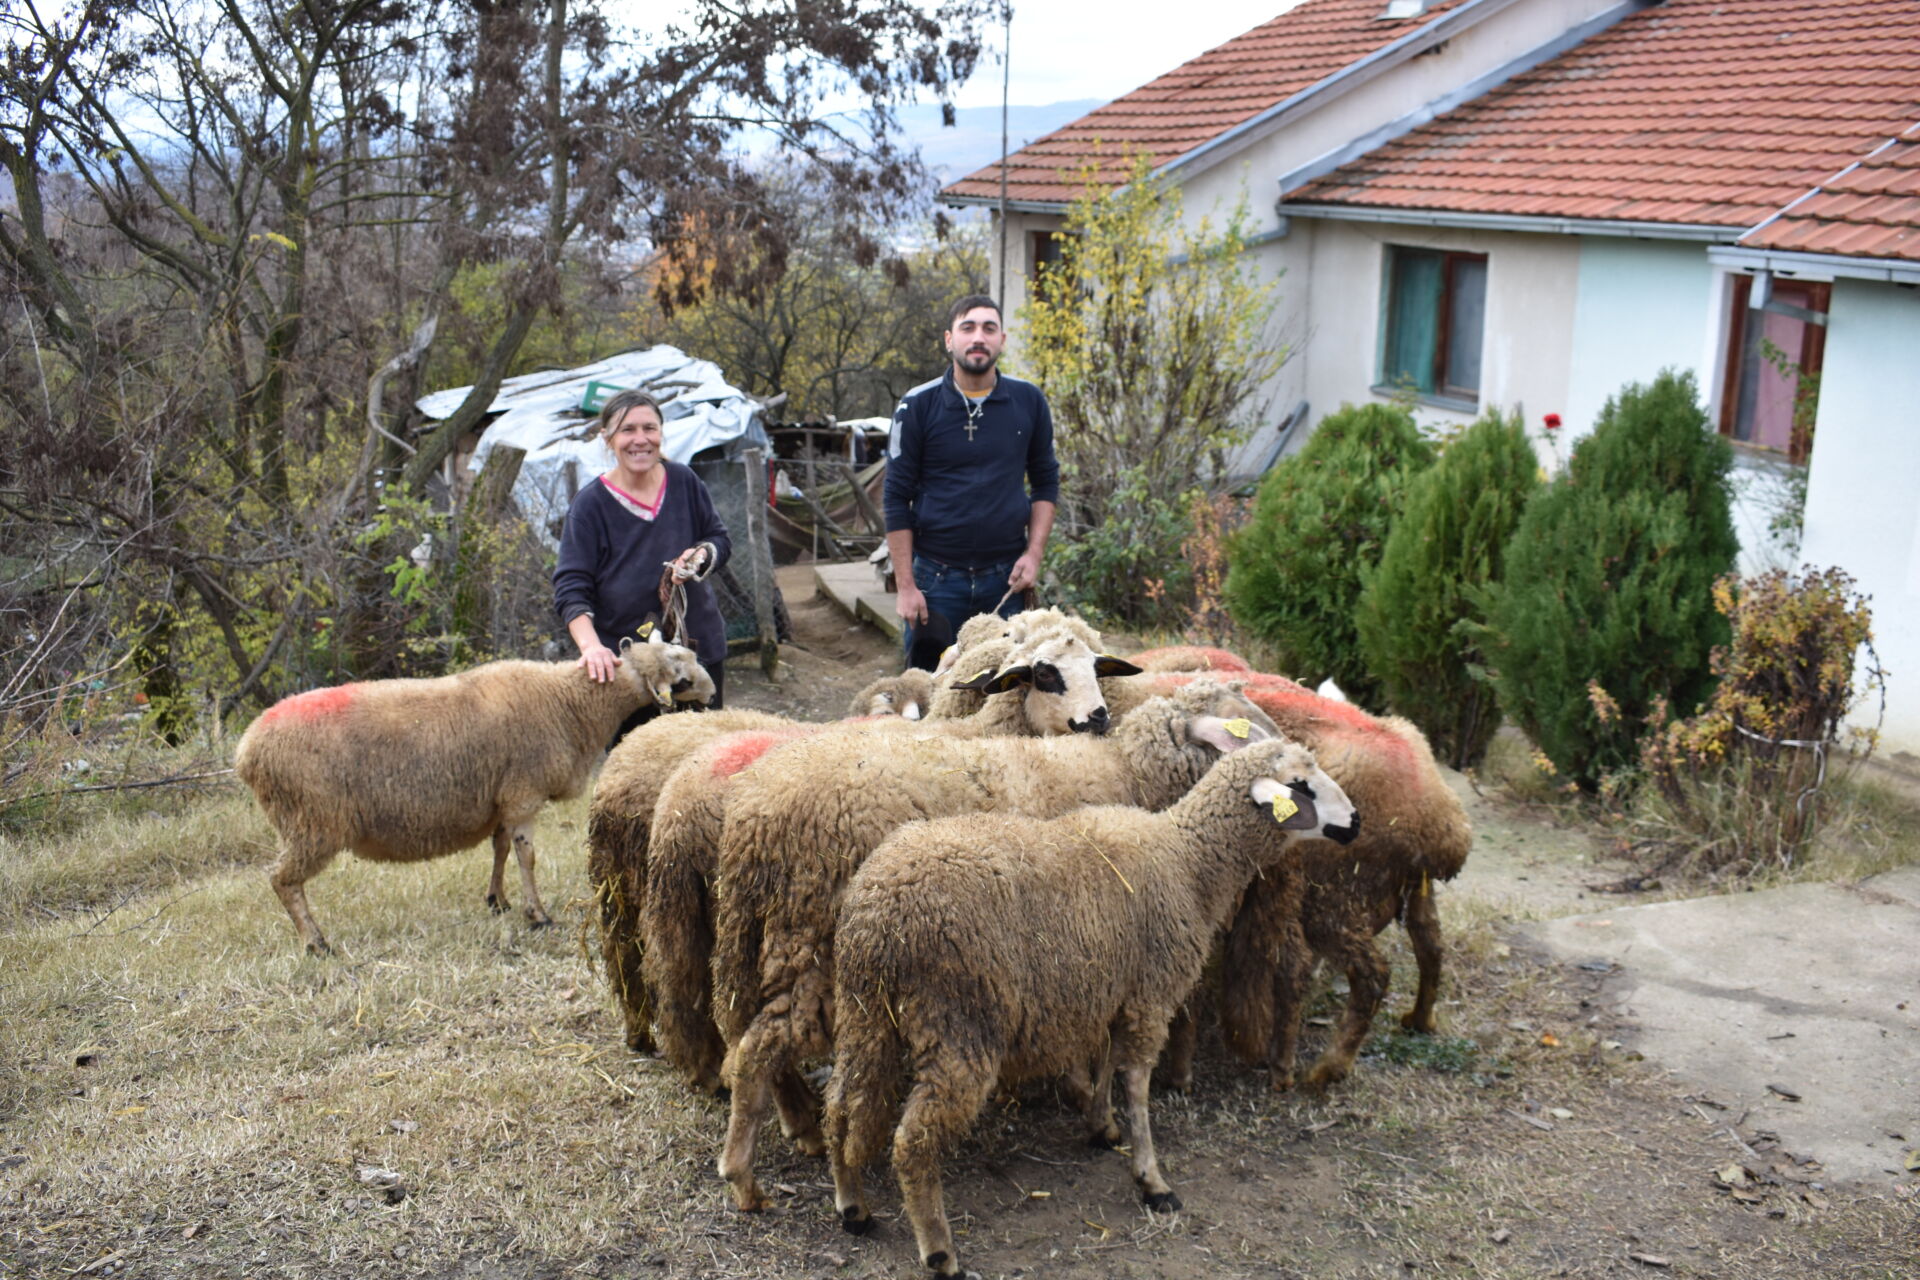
(1006, 81)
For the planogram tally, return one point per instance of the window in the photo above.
(1774, 354)
(1435, 312)
(1044, 249)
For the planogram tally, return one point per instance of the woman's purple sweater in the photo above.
(611, 561)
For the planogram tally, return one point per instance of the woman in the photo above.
(622, 530)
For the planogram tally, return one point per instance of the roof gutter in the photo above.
(1345, 80)
(1011, 206)
(1840, 267)
(1516, 222)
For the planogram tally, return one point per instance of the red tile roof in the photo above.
(1868, 210)
(1709, 112)
(1199, 101)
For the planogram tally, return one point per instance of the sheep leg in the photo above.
(289, 877)
(1146, 1165)
(752, 1099)
(1103, 1130)
(940, 1109)
(1423, 931)
(860, 1102)
(1292, 975)
(535, 910)
(799, 1112)
(1367, 975)
(497, 886)
(1176, 1063)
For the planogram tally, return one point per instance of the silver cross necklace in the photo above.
(974, 409)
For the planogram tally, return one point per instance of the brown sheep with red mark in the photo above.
(405, 770)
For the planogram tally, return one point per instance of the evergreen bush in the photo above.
(1450, 540)
(1606, 608)
(1319, 522)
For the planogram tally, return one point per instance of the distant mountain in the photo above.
(974, 140)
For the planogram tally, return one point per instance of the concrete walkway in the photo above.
(1795, 1009)
(855, 587)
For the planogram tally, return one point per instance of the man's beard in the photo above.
(976, 362)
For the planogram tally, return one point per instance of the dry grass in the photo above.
(175, 1065)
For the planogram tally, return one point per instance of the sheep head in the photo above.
(905, 695)
(1061, 674)
(666, 673)
(1288, 783)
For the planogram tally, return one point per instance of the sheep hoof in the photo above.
(319, 947)
(856, 1222)
(1412, 1021)
(941, 1264)
(497, 904)
(1108, 1141)
(541, 923)
(1282, 1081)
(1162, 1201)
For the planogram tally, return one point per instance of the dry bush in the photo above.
(1745, 784)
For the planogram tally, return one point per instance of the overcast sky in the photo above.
(1065, 49)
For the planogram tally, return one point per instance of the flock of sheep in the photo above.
(1016, 867)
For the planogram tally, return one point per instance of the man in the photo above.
(971, 487)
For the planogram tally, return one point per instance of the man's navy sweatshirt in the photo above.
(967, 496)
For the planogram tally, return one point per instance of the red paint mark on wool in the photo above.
(1214, 659)
(1288, 702)
(313, 705)
(736, 752)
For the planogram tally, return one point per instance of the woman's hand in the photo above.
(599, 662)
(689, 563)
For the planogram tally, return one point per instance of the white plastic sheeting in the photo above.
(539, 412)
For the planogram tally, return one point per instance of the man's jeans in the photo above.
(957, 593)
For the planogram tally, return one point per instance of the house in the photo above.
(1525, 204)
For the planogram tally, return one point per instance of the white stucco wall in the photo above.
(1528, 345)
(1641, 306)
(1863, 490)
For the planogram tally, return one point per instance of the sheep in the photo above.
(619, 823)
(1334, 901)
(405, 770)
(905, 695)
(993, 948)
(805, 816)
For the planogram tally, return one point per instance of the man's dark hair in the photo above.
(967, 304)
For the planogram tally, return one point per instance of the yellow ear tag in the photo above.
(644, 630)
(1283, 808)
(976, 675)
(1238, 728)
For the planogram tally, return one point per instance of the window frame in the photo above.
(1443, 393)
(1810, 359)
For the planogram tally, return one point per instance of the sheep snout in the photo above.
(1344, 835)
(1097, 723)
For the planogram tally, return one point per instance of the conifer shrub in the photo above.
(1417, 608)
(1319, 522)
(1606, 606)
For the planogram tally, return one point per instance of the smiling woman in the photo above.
(642, 516)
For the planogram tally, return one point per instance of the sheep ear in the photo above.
(1105, 664)
(995, 681)
(1293, 811)
(947, 657)
(1225, 736)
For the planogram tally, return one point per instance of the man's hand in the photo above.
(1026, 571)
(599, 662)
(910, 604)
